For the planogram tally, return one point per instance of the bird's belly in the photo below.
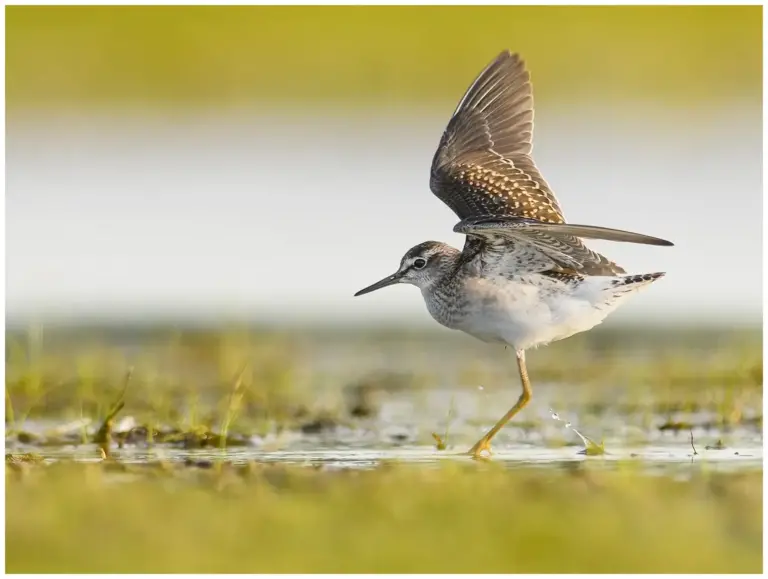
(525, 315)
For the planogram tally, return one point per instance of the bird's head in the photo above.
(422, 265)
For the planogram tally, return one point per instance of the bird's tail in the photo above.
(627, 283)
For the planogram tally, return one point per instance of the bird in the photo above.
(524, 277)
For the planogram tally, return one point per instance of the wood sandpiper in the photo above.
(524, 277)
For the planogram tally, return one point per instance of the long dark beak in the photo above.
(392, 279)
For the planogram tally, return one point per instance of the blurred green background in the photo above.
(218, 55)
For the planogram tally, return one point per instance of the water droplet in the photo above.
(569, 426)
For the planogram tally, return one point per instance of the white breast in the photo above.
(531, 310)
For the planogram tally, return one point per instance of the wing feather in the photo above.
(558, 251)
(484, 172)
(493, 223)
(483, 162)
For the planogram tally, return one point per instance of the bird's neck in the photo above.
(450, 262)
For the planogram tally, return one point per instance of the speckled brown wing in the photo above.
(483, 165)
(484, 172)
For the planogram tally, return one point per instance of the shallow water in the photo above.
(676, 460)
(401, 431)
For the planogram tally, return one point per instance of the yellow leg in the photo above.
(484, 444)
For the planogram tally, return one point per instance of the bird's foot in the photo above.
(481, 449)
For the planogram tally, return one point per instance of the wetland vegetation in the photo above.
(145, 450)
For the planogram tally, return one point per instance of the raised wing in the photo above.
(483, 165)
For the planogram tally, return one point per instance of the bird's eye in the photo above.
(419, 263)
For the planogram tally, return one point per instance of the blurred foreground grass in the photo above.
(457, 518)
(153, 55)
